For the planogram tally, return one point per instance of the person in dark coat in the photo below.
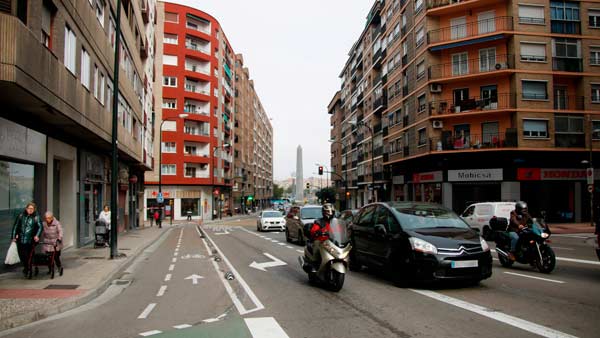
(26, 231)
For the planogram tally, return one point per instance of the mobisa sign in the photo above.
(475, 175)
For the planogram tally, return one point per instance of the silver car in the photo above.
(270, 220)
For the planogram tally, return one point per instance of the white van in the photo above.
(478, 215)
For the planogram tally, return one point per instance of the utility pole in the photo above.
(115, 147)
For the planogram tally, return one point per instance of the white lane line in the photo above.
(496, 315)
(211, 320)
(300, 251)
(266, 327)
(147, 311)
(150, 333)
(562, 248)
(161, 291)
(174, 260)
(171, 267)
(289, 247)
(573, 260)
(168, 277)
(240, 307)
(175, 254)
(182, 326)
(573, 236)
(280, 243)
(534, 277)
(274, 241)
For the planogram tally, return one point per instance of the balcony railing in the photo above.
(562, 102)
(197, 48)
(469, 30)
(567, 64)
(378, 56)
(565, 27)
(528, 20)
(196, 89)
(380, 103)
(473, 141)
(196, 111)
(475, 103)
(378, 151)
(472, 66)
(377, 128)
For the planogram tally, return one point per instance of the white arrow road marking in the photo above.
(147, 311)
(265, 328)
(261, 266)
(194, 278)
(225, 232)
(496, 315)
(161, 291)
(197, 256)
(182, 326)
(150, 333)
(533, 277)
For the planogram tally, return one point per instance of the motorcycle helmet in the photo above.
(328, 211)
(521, 208)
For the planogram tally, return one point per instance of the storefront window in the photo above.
(190, 204)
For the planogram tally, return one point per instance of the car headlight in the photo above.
(545, 235)
(484, 244)
(422, 246)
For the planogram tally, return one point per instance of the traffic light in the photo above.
(348, 194)
(320, 170)
(307, 185)
(250, 198)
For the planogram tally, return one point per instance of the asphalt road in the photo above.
(270, 296)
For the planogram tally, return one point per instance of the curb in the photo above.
(27, 318)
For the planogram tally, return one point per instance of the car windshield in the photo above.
(421, 216)
(311, 212)
(271, 214)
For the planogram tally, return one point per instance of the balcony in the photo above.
(567, 64)
(195, 88)
(197, 48)
(569, 140)
(470, 30)
(380, 103)
(565, 27)
(475, 103)
(378, 151)
(377, 57)
(473, 142)
(377, 128)
(466, 67)
(562, 102)
(145, 11)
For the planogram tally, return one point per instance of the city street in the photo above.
(180, 288)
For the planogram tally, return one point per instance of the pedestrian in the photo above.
(189, 214)
(52, 238)
(157, 219)
(105, 217)
(26, 231)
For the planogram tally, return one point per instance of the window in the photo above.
(85, 69)
(533, 52)
(422, 133)
(70, 49)
(47, 18)
(595, 56)
(596, 93)
(109, 94)
(534, 90)
(568, 131)
(487, 59)
(535, 128)
(170, 60)
(418, 5)
(100, 12)
(169, 147)
(171, 17)
(96, 81)
(102, 85)
(531, 14)
(168, 169)
(422, 103)
(596, 130)
(190, 206)
(112, 29)
(458, 28)
(420, 37)
(566, 48)
(170, 39)
(170, 81)
(594, 16)
(565, 17)
(169, 104)
(486, 22)
(420, 70)
(460, 64)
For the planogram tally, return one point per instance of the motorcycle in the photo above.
(532, 247)
(326, 261)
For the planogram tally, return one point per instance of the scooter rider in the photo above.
(519, 218)
(319, 227)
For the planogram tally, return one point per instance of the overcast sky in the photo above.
(295, 51)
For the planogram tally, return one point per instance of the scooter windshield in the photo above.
(338, 233)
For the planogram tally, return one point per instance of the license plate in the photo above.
(464, 264)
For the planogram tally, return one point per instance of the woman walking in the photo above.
(26, 231)
(52, 238)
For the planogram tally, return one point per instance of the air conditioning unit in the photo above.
(435, 88)
(501, 66)
(437, 124)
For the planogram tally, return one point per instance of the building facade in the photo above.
(478, 100)
(253, 144)
(56, 122)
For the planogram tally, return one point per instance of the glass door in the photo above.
(560, 97)
(489, 97)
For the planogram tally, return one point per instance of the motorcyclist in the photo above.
(318, 231)
(519, 218)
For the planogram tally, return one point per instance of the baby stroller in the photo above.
(101, 234)
(38, 258)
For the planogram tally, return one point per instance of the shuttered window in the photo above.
(529, 14)
(533, 51)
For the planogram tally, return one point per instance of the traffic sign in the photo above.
(589, 173)
(590, 188)
(160, 198)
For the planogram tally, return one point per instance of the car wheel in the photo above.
(401, 275)
(353, 264)
(287, 236)
(301, 240)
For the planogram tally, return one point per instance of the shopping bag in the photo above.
(12, 256)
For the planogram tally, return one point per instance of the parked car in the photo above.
(270, 220)
(416, 240)
(346, 216)
(298, 219)
(478, 215)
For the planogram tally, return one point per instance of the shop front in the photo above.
(427, 186)
(93, 194)
(179, 202)
(474, 185)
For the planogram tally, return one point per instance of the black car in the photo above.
(414, 240)
(346, 216)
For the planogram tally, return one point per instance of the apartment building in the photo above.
(253, 144)
(57, 66)
(478, 100)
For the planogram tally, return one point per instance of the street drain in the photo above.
(217, 259)
(121, 282)
(94, 257)
(61, 287)
(229, 275)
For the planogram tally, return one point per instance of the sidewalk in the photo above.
(571, 228)
(87, 273)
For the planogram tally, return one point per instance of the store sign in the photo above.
(475, 175)
(427, 177)
(165, 194)
(553, 174)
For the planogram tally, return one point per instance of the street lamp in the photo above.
(225, 145)
(180, 116)
(345, 178)
(362, 124)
